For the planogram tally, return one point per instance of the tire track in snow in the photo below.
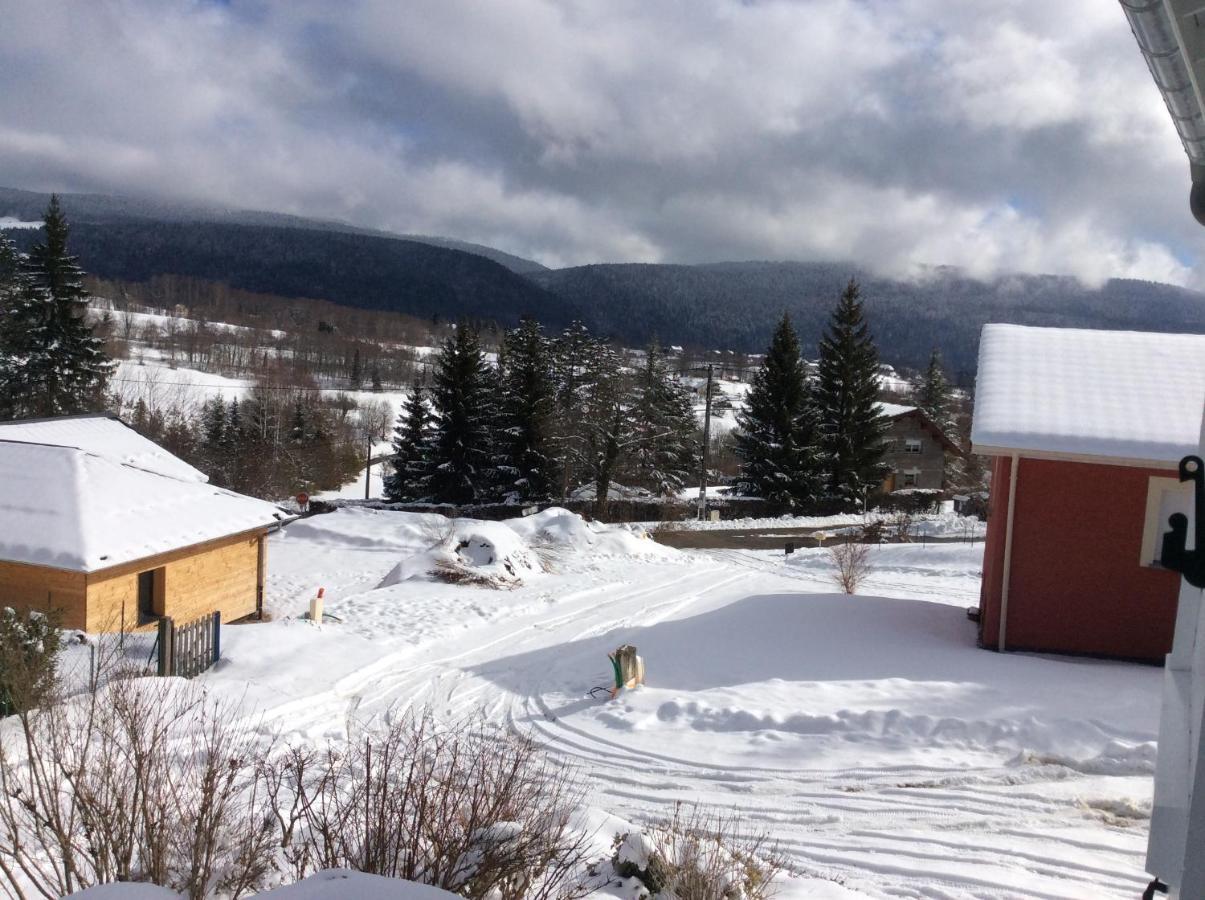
(903, 838)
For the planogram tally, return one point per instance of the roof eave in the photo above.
(1063, 456)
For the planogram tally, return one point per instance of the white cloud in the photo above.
(998, 135)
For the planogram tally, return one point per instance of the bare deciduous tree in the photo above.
(851, 563)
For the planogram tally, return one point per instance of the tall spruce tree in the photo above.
(778, 441)
(605, 423)
(526, 468)
(935, 396)
(664, 452)
(409, 482)
(465, 398)
(577, 362)
(847, 391)
(53, 363)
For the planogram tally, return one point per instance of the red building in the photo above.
(1086, 428)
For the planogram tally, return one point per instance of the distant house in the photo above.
(917, 450)
(113, 531)
(1087, 429)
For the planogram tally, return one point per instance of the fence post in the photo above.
(217, 636)
(166, 633)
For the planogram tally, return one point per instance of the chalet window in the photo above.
(1164, 497)
(150, 595)
(912, 445)
(910, 479)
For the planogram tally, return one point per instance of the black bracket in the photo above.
(1175, 554)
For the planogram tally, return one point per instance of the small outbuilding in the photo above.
(1086, 429)
(113, 531)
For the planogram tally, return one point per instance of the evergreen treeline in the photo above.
(274, 443)
(556, 417)
(815, 445)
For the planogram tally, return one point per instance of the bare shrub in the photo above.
(474, 812)
(701, 855)
(140, 780)
(851, 563)
(871, 533)
(451, 572)
(904, 526)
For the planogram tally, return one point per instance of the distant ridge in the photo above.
(103, 209)
(724, 305)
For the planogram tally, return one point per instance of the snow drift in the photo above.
(508, 553)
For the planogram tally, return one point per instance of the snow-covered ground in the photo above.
(161, 384)
(888, 754)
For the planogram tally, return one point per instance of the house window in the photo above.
(150, 595)
(912, 445)
(1164, 497)
(909, 479)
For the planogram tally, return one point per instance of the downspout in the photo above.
(1001, 633)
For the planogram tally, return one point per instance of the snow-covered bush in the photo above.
(29, 647)
(465, 808)
(698, 854)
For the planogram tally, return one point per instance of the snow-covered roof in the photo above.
(1121, 396)
(69, 509)
(104, 436)
(894, 409)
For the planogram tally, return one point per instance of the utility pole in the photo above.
(368, 468)
(706, 444)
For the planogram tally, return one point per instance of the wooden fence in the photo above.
(188, 650)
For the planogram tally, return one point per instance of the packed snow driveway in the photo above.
(868, 734)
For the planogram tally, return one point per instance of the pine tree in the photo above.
(577, 358)
(935, 397)
(664, 455)
(357, 370)
(410, 479)
(847, 392)
(232, 447)
(778, 441)
(376, 380)
(526, 470)
(213, 441)
(605, 423)
(53, 363)
(465, 398)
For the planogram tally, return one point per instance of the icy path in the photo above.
(888, 755)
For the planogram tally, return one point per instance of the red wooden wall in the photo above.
(1076, 585)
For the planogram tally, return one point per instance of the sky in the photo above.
(994, 135)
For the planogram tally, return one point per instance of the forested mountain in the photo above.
(357, 270)
(735, 305)
(101, 209)
(730, 305)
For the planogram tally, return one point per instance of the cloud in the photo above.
(997, 135)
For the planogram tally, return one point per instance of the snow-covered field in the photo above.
(160, 384)
(868, 734)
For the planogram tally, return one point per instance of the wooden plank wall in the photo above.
(221, 575)
(38, 587)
